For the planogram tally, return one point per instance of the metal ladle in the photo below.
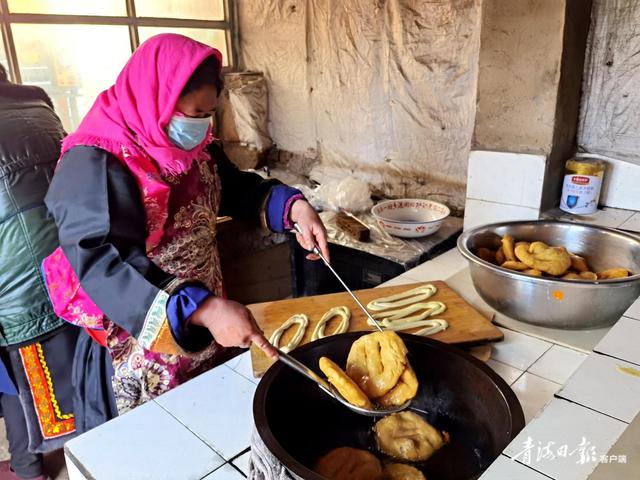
(316, 251)
(323, 384)
(329, 389)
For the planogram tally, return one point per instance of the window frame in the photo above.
(131, 20)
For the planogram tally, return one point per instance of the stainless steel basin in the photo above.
(556, 303)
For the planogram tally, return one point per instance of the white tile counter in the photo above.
(146, 443)
(201, 430)
(563, 426)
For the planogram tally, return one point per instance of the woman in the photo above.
(136, 196)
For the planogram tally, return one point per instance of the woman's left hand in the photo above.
(313, 231)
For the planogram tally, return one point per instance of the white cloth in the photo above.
(263, 465)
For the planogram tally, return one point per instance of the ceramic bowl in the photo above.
(410, 217)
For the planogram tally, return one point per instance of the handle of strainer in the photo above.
(304, 370)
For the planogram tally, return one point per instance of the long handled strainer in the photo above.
(332, 392)
(323, 384)
(317, 252)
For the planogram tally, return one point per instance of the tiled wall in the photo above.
(621, 186)
(503, 186)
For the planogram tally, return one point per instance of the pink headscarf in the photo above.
(134, 112)
(128, 121)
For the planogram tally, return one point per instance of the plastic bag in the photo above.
(349, 194)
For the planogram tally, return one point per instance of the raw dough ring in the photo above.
(418, 294)
(401, 315)
(342, 312)
(303, 322)
(432, 326)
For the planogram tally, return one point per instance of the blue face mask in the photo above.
(187, 132)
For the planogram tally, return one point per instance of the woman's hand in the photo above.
(313, 231)
(231, 324)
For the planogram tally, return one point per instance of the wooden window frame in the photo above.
(131, 20)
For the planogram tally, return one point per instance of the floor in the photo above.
(54, 462)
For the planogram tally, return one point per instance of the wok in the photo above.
(458, 394)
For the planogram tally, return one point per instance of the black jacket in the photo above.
(30, 136)
(101, 219)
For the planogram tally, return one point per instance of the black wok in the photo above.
(458, 394)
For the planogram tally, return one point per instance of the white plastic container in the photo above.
(582, 185)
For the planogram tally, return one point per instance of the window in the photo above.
(74, 49)
(3, 58)
(210, 36)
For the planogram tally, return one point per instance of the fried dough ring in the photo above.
(342, 312)
(580, 276)
(376, 362)
(571, 276)
(405, 389)
(588, 276)
(407, 436)
(540, 258)
(409, 297)
(552, 260)
(613, 273)
(533, 272)
(346, 463)
(578, 263)
(345, 385)
(517, 266)
(402, 471)
(523, 255)
(303, 322)
(507, 248)
(537, 247)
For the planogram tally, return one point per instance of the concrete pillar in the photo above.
(531, 61)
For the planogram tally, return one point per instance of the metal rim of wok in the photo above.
(508, 398)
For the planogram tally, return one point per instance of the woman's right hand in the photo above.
(231, 324)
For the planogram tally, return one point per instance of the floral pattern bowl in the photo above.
(410, 217)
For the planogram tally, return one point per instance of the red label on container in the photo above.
(580, 180)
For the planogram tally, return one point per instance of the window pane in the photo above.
(3, 58)
(194, 9)
(208, 36)
(73, 63)
(70, 7)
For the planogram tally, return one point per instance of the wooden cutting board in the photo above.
(466, 324)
